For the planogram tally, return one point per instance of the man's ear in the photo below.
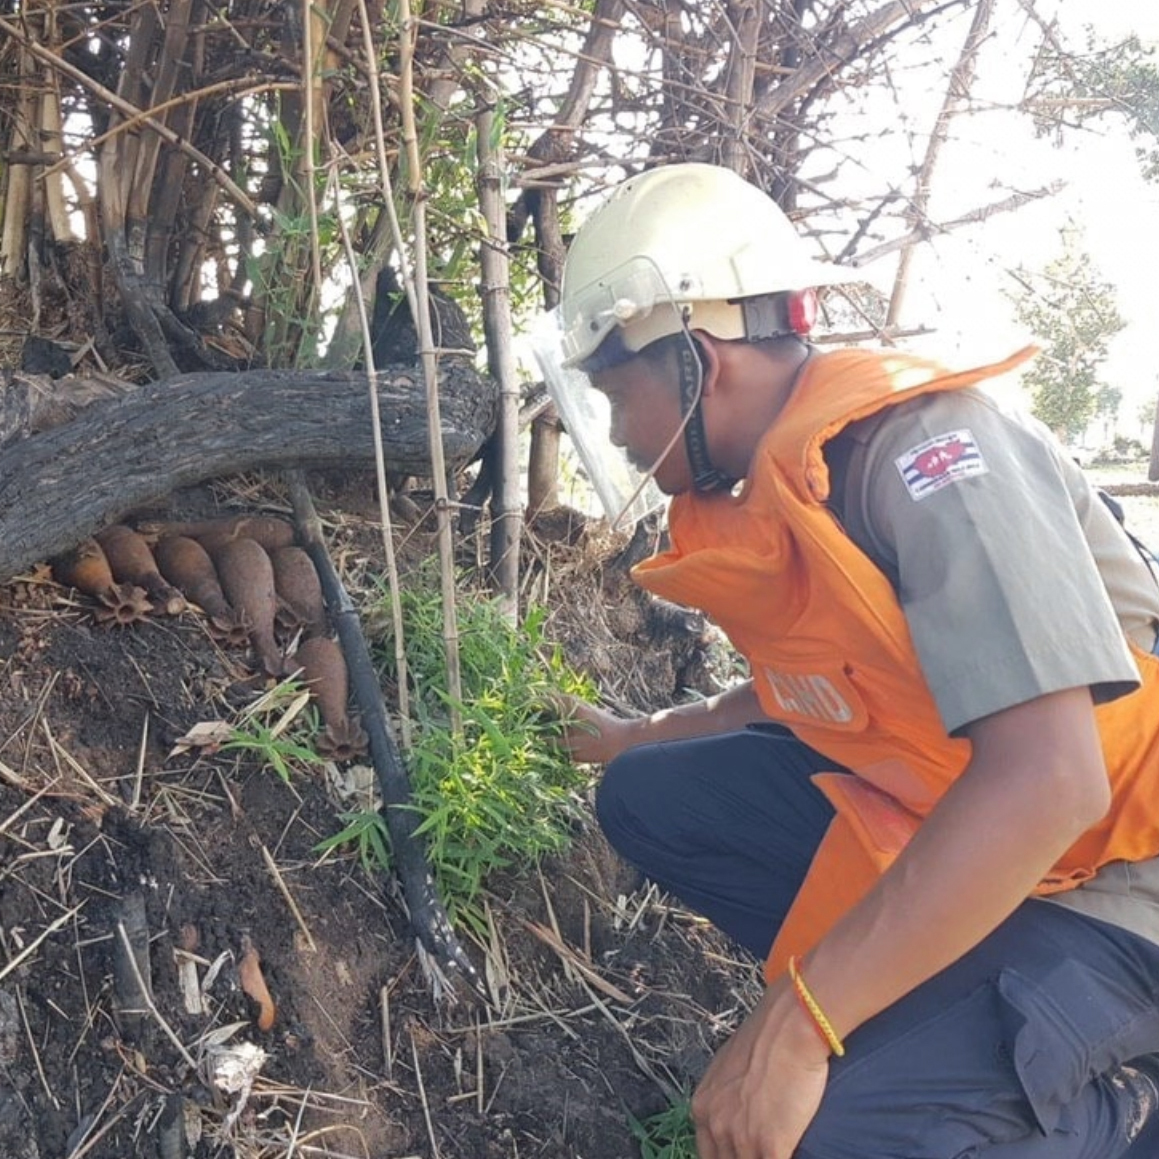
(708, 351)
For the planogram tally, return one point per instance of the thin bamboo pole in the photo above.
(388, 207)
(422, 316)
(52, 141)
(18, 194)
(309, 141)
(380, 480)
(506, 507)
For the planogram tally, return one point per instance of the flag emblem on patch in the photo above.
(939, 461)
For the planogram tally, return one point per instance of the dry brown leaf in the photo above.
(206, 734)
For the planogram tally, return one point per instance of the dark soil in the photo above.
(606, 998)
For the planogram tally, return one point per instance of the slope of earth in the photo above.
(143, 881)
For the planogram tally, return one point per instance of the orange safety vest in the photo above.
(831, 656)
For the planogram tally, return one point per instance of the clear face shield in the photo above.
(634, 295)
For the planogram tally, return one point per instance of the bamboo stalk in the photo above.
(169, 73)
(400, 660)
(18, 196)
(309, 140)
(51, 140)
(422, 316)
(496, 291)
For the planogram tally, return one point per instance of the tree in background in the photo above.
(1073, 313)
(173, 174)
(1108, 403)
(176, 177)
(1145, 415)
(1069, 90)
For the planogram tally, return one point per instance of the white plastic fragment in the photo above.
(232, 1071)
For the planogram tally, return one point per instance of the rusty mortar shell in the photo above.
(188, 567)
(86, 568)
(247, 579)
(299, 590)
(268, 530)
(132, 562)
(324, 674)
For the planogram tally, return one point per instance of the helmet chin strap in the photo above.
(706, 477)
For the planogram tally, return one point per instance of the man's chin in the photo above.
(667, 482)
(669, 487)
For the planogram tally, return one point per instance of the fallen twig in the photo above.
(34, 945)
(414, 1050)
(284, 889)
(150, 1005)
(570, 957)
(387, 1044)
(35, 1053)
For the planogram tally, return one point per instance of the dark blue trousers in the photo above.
(1041, 1043)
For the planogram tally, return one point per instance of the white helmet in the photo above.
(693, 239)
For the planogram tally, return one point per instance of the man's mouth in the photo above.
(642, 465)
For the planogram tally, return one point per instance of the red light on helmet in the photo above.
(802, 311)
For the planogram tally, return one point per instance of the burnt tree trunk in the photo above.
(116, 454)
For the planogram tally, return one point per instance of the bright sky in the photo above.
(1105, 195)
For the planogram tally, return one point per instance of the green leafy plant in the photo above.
(277, 729)
(366, 831)
(501, 793)
(669, 1134)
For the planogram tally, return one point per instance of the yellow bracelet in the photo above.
(814, 1010)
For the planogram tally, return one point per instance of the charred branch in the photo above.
(59, 485)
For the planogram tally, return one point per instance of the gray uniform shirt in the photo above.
(1015, 577)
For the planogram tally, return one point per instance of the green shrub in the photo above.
(501, 793)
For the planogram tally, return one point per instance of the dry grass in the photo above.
(591, 981)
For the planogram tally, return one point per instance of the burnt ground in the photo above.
(605, 996)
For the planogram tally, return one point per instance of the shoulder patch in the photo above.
(939, 461)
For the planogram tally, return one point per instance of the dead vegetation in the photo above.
(184, 974)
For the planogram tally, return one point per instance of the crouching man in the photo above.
(934, 809)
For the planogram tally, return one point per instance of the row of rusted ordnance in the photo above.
(252, 583)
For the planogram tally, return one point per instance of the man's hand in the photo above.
(594, 735)
(764, 1086)
(591, 735)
